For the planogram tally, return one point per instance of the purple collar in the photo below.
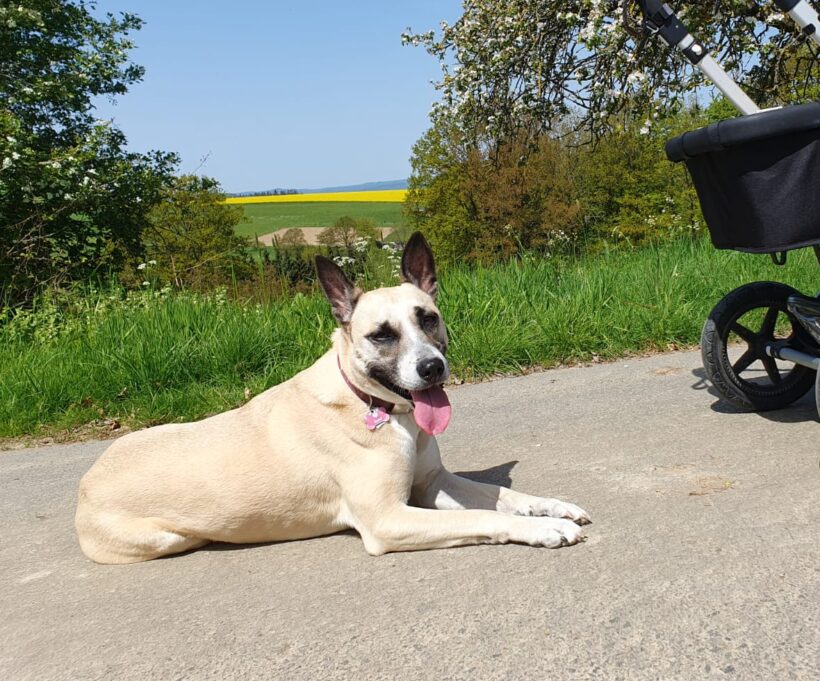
(370, 400)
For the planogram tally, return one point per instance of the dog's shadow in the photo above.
(497, 475)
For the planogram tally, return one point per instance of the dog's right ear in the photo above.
(341, 293)
(417, 265)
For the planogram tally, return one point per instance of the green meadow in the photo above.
(148, 357)
(263, 218)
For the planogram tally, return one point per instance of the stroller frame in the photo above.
(732, 163)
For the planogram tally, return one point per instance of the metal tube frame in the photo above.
(660, 19)
(805, 16)
(796, 356)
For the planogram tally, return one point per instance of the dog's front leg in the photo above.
(436, 487)
(406, 528)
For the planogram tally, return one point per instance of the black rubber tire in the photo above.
(719, 370)
(817, 393)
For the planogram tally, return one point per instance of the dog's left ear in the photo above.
(341, 293)
(417, 265)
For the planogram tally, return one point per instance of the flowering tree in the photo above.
(72, 199)
(512, 64)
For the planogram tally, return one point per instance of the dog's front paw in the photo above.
(559, 509)
(553, 533)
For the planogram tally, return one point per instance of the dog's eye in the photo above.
(430, 322)
(383, 336)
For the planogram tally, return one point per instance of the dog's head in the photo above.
(396, 337)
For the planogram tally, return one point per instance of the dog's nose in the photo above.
(431, 369)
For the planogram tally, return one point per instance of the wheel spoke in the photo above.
(743, 363)
(769, 322)
(746, 334)
(771, 369)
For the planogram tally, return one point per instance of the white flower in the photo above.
(146, 283)
(141, 266)
(636, 77)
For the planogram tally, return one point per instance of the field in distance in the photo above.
(264, 218)
(380, 196)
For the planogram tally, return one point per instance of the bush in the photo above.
(190, 240)
(482, 204)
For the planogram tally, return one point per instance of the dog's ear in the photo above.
(341, 293)
(417, 265)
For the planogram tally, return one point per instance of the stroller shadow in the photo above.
(801, 411)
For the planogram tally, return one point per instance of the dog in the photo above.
(348, 443)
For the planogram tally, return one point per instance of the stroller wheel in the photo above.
(733, 346)
(817, 392)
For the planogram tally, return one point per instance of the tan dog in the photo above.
(347, 443)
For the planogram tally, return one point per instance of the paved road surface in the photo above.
(702, 561)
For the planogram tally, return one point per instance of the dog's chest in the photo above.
(406, 432)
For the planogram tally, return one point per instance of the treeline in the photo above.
(553, 194)
(267, 192)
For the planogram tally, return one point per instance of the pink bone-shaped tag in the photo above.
(376, 417)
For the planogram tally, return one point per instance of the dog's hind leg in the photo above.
(108, 538)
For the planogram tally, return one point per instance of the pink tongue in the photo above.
(432, 411)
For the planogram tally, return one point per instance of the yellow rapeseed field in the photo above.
(385, 196)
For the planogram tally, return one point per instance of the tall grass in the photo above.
(157, 357)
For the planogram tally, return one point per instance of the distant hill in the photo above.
(364, 187)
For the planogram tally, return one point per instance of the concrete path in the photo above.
(702, 561)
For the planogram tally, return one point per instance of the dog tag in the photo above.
(376, 417)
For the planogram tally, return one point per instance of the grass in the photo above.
(270, 217)
(160, 357)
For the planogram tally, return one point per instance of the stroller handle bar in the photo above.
(805, 16)
(660, 19)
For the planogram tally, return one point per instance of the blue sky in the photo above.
(281, 94)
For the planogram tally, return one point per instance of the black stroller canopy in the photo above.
(737, 131)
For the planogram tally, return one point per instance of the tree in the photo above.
(346, 231)
(72, 199)
(293, 238)
(191, 240)
(509, 65)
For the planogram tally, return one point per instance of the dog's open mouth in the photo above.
(393, 388)
(431, 406)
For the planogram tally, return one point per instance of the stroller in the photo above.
(758, 181)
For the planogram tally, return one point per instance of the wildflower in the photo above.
(141, 266)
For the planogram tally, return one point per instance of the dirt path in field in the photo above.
(311, 235)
